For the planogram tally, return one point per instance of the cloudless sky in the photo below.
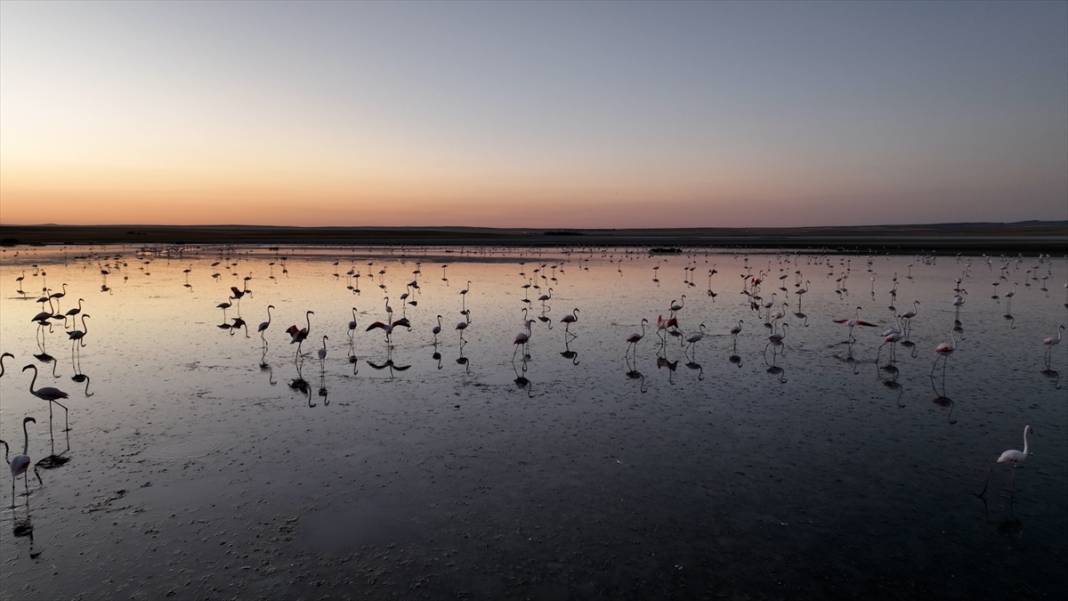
(545, 115)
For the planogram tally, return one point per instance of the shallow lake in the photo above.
(203, 461)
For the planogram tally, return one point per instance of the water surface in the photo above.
(204, 465)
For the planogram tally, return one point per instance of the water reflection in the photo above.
(151, 326)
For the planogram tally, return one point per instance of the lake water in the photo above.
(202, 464)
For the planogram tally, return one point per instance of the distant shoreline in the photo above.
(1028, 236)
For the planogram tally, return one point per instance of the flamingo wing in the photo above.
(1012, 456)
(53, 393)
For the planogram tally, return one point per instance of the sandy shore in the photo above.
(1031, 236)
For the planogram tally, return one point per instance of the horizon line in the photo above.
(524, 228)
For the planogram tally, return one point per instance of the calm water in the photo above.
(202, 465)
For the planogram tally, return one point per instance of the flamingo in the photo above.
(322, 351)
(265, 324)
(944, 350)
(352, 324)
(224, 306)
(854, 322)
(569, 319)
(907, 317)
(1012, 457)
(76, 335)
(50, 394)
(59, 295)
(522, 338)
(633, 339)
(693, 339)
(389, 326)
(437, 330)
(891, 336)
(237, 324)
(463, 294)
(736, 330)
(546, 297)
(460, 327)
(298, 335)
(676, 307)
(43, 317)
(76, 310)
(21, 463)
(1049, 343)
(776, 340)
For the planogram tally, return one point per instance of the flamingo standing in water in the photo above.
(569, 319)
(1014, 458)
(891, 336)
(546, 297)
(265, 324)
(776, 340)
(522, 338)
(21, 463)
(299, 335)
(906, 325)
(693, 339)
(635, 338)
(1051, 342)
(463, 296)
(50, 394)
(736, 330)
(74, 311)
(322, 352)
(436, 330)
(944, 350)
(79, 335)
(352, 324)
(677, 306)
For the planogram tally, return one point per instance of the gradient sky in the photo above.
(541, 115)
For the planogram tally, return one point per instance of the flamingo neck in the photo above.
(25, 439)
(32, 382)
(1027, 433)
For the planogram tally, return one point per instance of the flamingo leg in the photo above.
(66, 416)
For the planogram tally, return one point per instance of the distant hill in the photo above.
(1041, 236)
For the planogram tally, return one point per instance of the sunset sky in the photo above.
(550, 115)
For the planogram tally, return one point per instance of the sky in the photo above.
(533, 114)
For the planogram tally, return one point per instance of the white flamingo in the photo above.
(21, 463)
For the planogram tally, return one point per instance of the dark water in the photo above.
(197, 466)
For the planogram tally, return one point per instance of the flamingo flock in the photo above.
(768, 293)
